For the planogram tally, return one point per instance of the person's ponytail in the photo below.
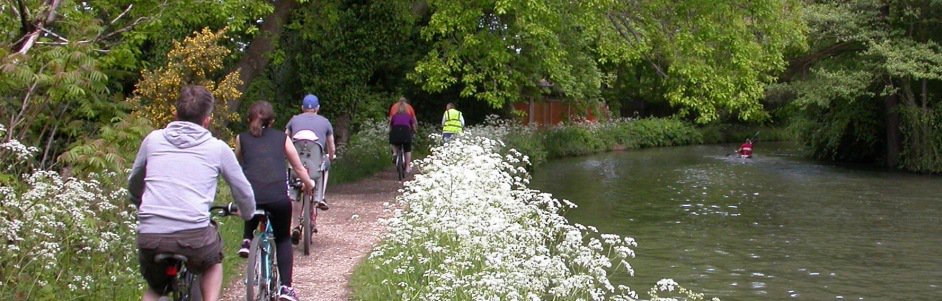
(255, 126)
(261, 115)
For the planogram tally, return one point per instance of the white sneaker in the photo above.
(288, 294)
(244, 251)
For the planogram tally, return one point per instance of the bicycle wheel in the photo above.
(256, 286)
(306, 227)
(400, 163)
(192, 291)
(274, 281)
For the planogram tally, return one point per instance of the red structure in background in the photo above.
(553, 112)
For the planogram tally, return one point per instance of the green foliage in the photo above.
(351, 55)
(159, 23)
(368, 151)
(67, 239)
(528, 141)
(869, 60)
(52, 96)
(853, 133)
(710, 68)
(493, 50)
(113, 150)
(736, 133)
(198, 60)
(925, 128)
(75, 76)
(580, 139)
(568, 141)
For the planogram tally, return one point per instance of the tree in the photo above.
(711, 56)
(352, 55)
(873, 71)
(494, 50)
(67, 64)
(51, 94)
(198, 60)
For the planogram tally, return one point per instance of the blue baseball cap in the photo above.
(310, 102)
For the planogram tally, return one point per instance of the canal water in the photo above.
(775, 227)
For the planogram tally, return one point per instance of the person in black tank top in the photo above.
(262, 152)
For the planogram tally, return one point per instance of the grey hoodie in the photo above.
(173, 180)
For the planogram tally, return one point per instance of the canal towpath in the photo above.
(347, 233)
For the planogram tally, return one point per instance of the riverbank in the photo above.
(568, 140)
(347, 233)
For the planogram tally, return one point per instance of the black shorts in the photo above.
(401, 135)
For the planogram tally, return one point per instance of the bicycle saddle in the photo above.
(165, 256)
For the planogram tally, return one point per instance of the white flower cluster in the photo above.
(470, 229)
(22, 152)
(73, 233)
(675, 291)
(371, 136)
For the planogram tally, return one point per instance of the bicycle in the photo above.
(185, 285)
(309, 214)
(308, 218)
(314, 158)
(261, 270)
(400, 162)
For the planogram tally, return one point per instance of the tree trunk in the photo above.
(342, 129)
(891, 103)
(924, 96)
(256, 56)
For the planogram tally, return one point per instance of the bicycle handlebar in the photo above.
(224, 210)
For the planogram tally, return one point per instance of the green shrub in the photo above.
(581, 139)
(368, 151)
(573, 140)
(529, 142)
(112, 151)
(922, 133)
(726, 133)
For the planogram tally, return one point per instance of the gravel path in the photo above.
(347, 233)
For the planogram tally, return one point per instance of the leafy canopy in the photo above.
(713, 55)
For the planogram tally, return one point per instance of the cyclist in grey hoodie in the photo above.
(173, 184)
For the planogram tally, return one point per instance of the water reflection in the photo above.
(774, 227)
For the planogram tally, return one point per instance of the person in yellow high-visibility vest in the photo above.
(452, 122)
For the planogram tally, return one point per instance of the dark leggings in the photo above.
(280, 218)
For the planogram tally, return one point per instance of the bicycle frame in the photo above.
(263, 249)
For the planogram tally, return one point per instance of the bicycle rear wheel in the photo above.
(400, 163)
(186, 287)
(307, 229)
(274, 280)
(256, 284)
(194, 292)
